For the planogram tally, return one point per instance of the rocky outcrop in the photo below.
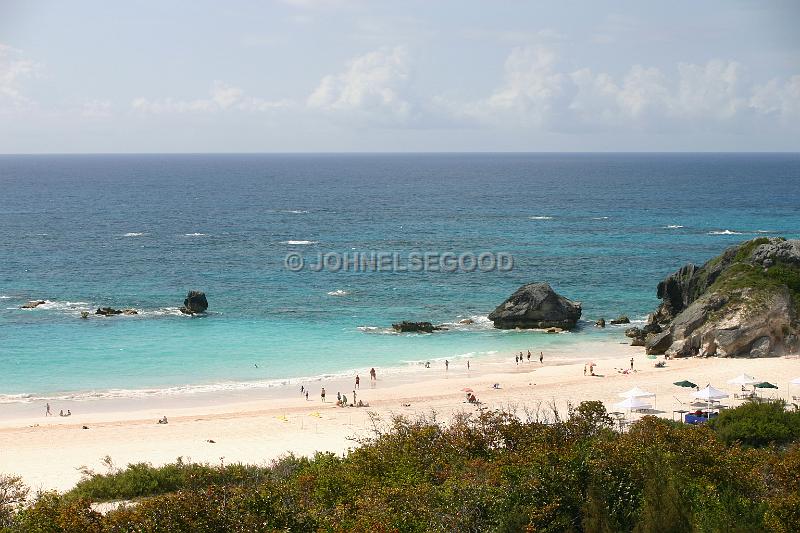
(110, 311)
(744, 302)
(194, 303)
(536, 305)
(623, 319)
(33, 304)
(416, 327)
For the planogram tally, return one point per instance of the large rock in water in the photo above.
(744, 302)
(194, 303)
(536, 305)
(415, 327)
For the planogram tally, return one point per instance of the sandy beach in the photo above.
(48, 451)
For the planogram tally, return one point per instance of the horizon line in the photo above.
(411, 152)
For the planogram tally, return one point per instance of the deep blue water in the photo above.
(140, 230)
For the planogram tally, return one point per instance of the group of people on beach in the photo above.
(521, 358)
(47, 411)
(341, 399)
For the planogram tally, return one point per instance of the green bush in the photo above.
(491, 472)
(758, 424)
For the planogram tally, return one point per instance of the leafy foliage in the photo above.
(491, 472)
(758, 424)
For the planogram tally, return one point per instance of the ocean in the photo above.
(140, 231)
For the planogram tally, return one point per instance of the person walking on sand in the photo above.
(446, 365)
(306, 395)
(467, 364)
(354, 397)
(358, 382)
(631, 363)
(516, 359)
(584, 370)
(47, 410)
(529, 356)
(372, 374)
(322, 394)
(541, 358)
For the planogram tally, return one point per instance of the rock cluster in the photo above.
(536, 305)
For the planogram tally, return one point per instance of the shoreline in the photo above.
(30, 405)
(260, 428)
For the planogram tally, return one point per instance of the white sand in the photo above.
(46, 451)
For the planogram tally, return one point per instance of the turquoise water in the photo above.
(140, 231)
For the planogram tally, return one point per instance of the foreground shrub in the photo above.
(491, 472)
(758, 424)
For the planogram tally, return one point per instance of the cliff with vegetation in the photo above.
(744, 302)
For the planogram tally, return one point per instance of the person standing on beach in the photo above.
(631, 363)
(584, 370)
(47, 410)
(322, 394)
(446, 365)
(306, 395)
(467, 364)
(516, 359)
(541, 357)
(529, 356)
(372, 374)
(354, 397)
(358, 382)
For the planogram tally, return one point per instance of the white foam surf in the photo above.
(338, 292)
(299, 243)
(673, 226)
(194, 234)
(542, 217)
(725, 232)
(133, 234)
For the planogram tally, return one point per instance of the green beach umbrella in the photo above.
(765, 385)
(685, 383)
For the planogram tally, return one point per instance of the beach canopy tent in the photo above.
(633, 402)
(710, 393)
(743, 379)
(685, 383)
(636, 392)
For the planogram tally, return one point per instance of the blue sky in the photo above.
(361, 75)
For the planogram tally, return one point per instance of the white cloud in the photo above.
(535, 92)
(531, 91)
(222, 97)
(372, 86)
(776, 98)
(14, 69)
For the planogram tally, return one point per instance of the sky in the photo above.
(398, 76)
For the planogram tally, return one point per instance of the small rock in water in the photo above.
(601, 323)
(415, 327)
(623, 319)
(108, 311)
(33, 304)
(84, 314)
(194, 303)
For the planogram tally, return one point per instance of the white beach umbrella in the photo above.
(636, 392)
(795, 381)
(710, 393)
(633, 403)
(743, 379)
